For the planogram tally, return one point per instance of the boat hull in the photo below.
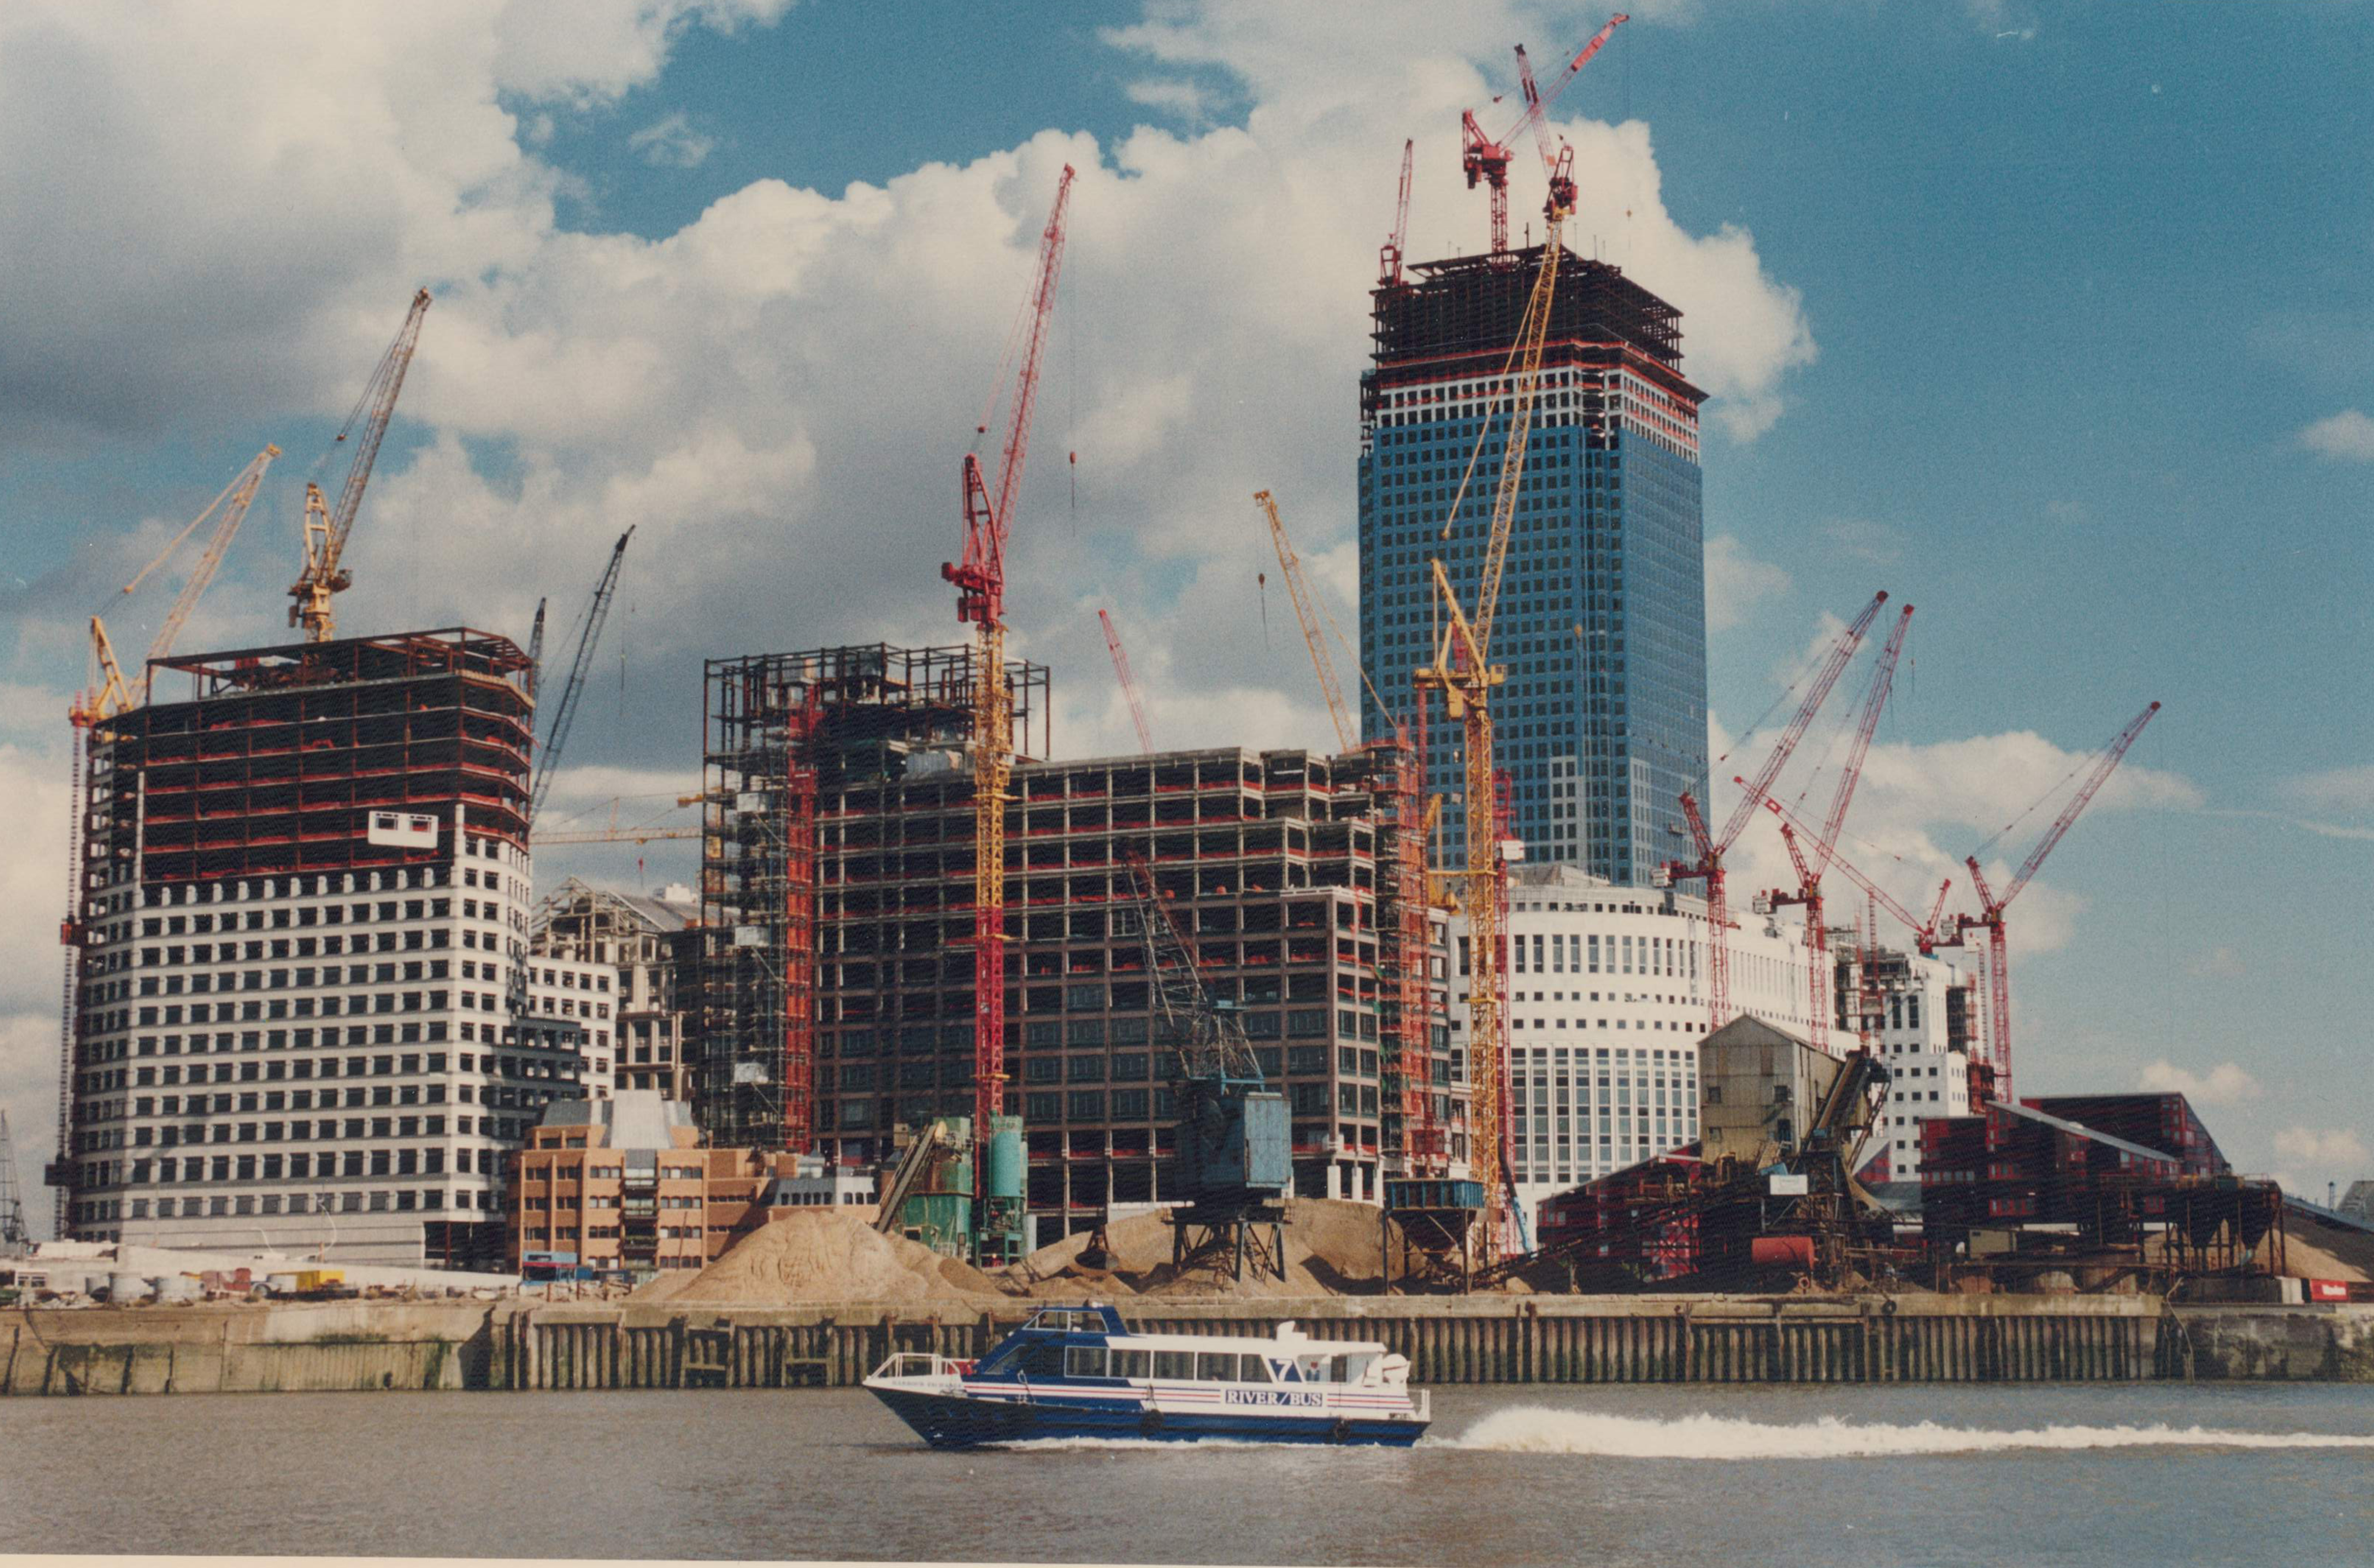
(947, 1421)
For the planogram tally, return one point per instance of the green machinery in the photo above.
(932, 1197)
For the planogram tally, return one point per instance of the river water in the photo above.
(1839, 1477)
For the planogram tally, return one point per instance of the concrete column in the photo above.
(1334, 1179)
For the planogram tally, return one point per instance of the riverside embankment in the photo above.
(1540, 1340)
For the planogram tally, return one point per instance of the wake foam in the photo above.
(1537, 1430)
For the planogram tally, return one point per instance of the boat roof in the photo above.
(1105, 1320)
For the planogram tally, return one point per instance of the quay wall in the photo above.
(530, 1345)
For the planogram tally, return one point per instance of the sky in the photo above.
(2053, 319)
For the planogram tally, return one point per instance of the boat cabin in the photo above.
(1092, 1345)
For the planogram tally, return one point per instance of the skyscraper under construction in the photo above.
(837, 983)
(1601, 623)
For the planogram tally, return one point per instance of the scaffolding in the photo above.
(778, 729)
(289, 760)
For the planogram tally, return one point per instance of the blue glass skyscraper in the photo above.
(1602, 617)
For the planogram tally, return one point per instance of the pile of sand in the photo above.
(2327, 1252)
(808, 1255)
(1333, 1247)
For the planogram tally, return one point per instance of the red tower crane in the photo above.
(1809, 868)
(1389, 257)
(980, 602)
(1711, 848)
(1128, 682)
(1486, 160)
(1989, 917)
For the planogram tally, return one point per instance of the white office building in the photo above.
(1607, 1002)
(302, 1010)
(1921, 1016)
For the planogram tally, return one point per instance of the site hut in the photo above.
(1270, 863)
(1606, 1006)
(649, 941)
(301, 1015)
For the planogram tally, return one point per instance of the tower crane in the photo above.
(1463, 672)
(1128, 681)
(1389, 257)
(1307, 611)
(1989, 917)
(1809, 866)
(326, 527)
(1711, 848)
(1486, 160)
(980, 604)
(565, 714)
(112, 694)
(535, 650)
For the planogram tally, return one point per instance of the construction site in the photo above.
(1210, 1027)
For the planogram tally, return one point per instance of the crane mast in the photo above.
(1389, 257)
(1306, 612)
(327, 527)
(565, 715)
(1463, 672)
(980, 604)
(1128, 682)
(1809, 869)
(1989, 917)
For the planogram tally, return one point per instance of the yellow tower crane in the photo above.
(1307, 611)
(110, 693)
(326, 528)
(1462, 671)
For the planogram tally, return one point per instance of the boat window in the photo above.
(1319, 1369)
(1084, 1361)
(1215, 1366)
(1131, 1363)
(1180, 1364)
(1257, 1369)
(1043, 1361)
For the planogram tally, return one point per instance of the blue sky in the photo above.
(2051, 319)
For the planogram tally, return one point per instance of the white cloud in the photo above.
(2338, 1152)
(671, 143)
(593, 50)
(2345, 437)
(2225, 1084)
(2335, 788)
(1737, 581)
(1173, 95)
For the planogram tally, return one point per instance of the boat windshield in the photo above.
(1336, 1367)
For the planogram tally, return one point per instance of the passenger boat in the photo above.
(1079, 1372)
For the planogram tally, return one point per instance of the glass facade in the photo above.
(1601, 625)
